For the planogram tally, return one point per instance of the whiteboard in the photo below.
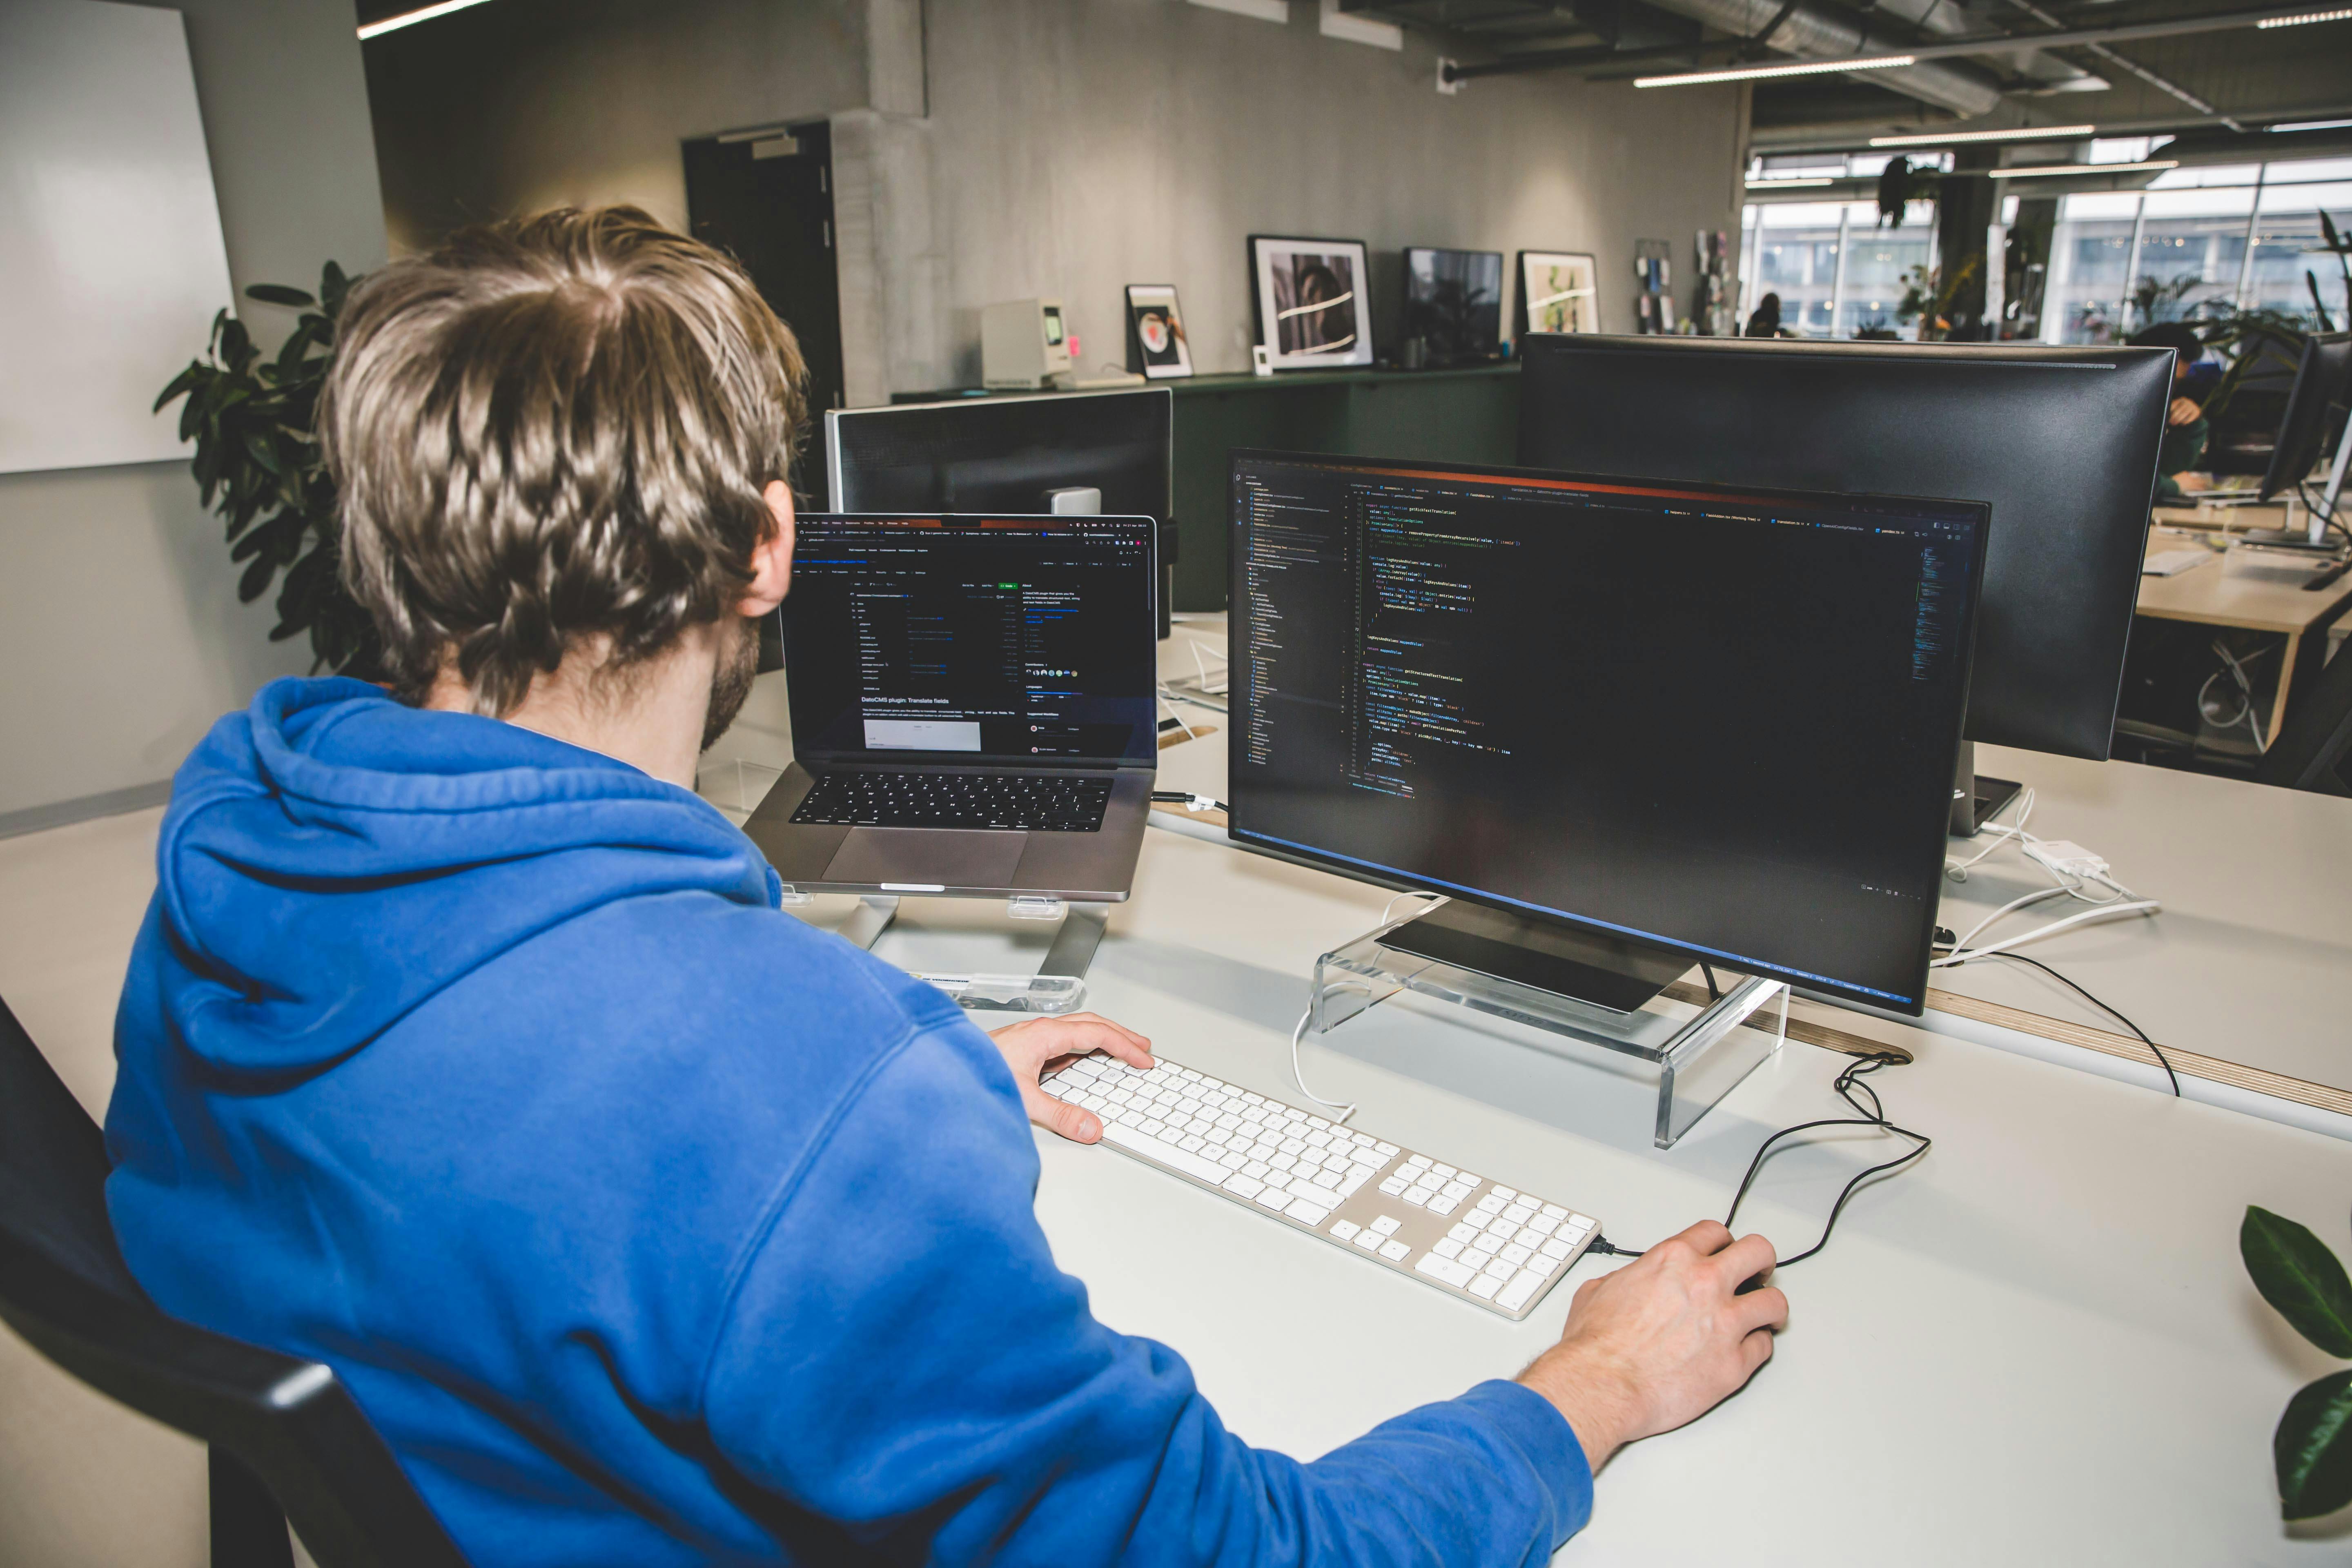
(111, 261)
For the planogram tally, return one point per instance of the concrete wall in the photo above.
(1065, 147)
(119, 622)
(1081, 146)
(528, 104)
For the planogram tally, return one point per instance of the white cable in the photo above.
(1300, 1079)
(1958, 871)
(1200, 665)
(2035, 897)
(2245, 690)
(2105, 912)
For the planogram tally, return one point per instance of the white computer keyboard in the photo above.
(1491, 1245)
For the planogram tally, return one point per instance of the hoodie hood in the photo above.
(333, 858)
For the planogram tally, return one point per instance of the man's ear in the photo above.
(772, 558)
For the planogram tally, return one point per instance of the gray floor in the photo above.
(83, 1480)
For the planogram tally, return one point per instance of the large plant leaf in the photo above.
(257, 577)
(2313, 1448)
(2300, 1277)
(279, 294)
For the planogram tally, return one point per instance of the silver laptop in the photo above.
(972, 702)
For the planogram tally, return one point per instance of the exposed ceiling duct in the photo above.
(1810, 33)
(1944, 19)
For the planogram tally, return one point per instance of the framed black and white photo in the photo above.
(1558, 292)
(1311, 301)
(1156, 344)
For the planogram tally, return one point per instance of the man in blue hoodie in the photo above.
(465, 1049)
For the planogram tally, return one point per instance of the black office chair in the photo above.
(2314, 749)
(287, 1439)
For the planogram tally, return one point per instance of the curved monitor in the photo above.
(2061, 442)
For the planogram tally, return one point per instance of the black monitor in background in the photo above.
(2061, 442)
(1628, 725)
(1453, 303)
(2314, 411)
(1011, 455)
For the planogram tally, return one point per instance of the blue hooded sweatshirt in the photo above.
(650, 1225)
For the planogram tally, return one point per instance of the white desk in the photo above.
(2038, 1347)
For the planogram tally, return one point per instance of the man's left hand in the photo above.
(2183, 411)
(1036, 1047)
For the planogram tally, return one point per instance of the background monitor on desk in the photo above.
(2313, 423)
(1453, 304)
(1651, 718)
(2061, 442)
(1010, 455)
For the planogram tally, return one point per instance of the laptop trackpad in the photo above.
(941, 857)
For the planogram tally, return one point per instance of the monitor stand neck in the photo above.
(1975, 798)
(1607, 972)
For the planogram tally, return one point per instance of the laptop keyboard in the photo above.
(1040, 803)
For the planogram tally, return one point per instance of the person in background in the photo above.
(466, 1050)
(2185, 430)
(1765, 320)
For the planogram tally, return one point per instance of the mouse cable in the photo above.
(1188, 800)
(2161, 1060)
(1848, 1085)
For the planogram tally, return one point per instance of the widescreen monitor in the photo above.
(2314, 411)
(1009, 455)
(2061, 443)
(1453, 303)
(1684, 720)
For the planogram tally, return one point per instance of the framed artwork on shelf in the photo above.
(1156, 344)
(1311, 300)
(1558, 292)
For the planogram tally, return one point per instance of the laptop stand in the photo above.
(1059, 985)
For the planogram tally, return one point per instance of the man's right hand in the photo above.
(1662, 1341)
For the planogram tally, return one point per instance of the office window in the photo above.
(2284, 232)
(1877, 260)
(1836, 269)
(2197, 238)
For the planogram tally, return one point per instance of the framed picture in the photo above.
(1156, 344)
(1558, 292)
(1311, 300)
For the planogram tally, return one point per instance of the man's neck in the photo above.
(649, 716)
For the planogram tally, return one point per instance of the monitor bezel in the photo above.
(1936, 808)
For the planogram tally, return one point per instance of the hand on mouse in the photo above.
(1663, 1341)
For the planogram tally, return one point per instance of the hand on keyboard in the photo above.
(1663, 1341)
(1038, 1045)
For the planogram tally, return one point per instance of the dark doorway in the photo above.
(767, 199)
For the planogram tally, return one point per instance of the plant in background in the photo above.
(255, 421)
(2297, 1275)
(1899, 184)
(1927, 297)
(2340, 247)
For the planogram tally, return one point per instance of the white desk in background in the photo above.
(2039, 1346)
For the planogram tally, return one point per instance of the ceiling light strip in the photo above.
(2023, 134)
(1810, 180)
(2043, 171)
(1763, 73)
(409, 18)
(2306, 17)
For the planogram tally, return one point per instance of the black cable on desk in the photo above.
(2162, 1061)
(1848, 1085)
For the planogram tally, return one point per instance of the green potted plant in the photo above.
(2301, 1278)
(254, 418)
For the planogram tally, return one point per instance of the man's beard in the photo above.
(731, 683)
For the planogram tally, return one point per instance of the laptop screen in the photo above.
(971, 638)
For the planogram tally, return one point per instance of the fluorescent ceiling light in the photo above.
(2312, 125)
(2038, 171)
(1760, 73)
(1770, 184)
(408, 18)
(2025, 134)
(2307, 17)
